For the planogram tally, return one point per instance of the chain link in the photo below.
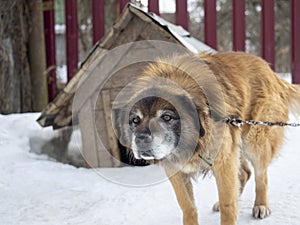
(238, 123)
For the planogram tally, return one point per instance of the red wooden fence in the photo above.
(182, 18)
(295, 40)
(210, 23)
(238, 25)
(153, 6)
(50, 49)
(71, 36)
(268, 31)
(210, 31)
(98, 19)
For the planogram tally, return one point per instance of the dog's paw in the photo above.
(216, 207)
(260, 211)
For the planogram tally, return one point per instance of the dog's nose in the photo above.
(143, 138)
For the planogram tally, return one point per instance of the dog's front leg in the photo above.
(184, 192)
(226, 174)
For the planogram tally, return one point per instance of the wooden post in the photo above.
(182, 18)
(98, 15)
(153, 6)
(210, 23)
(295, 43)
(71, 36)
(238, 25)
(37, 57)
(49, 23)
(268, 32)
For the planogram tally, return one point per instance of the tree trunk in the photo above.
(37, 56)
(15, 86)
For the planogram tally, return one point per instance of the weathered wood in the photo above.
(118, 27)
(131, 33)
(37, 58)
(88, 135)
(111, 137)
(15, 83)
(104, 156)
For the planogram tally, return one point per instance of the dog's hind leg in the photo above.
(244, 174)
(261, 206)
(263, 147)
(184, 192)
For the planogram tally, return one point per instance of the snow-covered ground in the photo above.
(36, 190)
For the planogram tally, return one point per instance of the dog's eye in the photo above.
(166, 117)
(136, 120)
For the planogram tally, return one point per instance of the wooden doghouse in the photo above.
(113, 62)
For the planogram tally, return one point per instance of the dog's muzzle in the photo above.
(144, 143)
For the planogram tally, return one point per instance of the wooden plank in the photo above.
(71, 37)
(210, 23)
(93, 81)
(118, 27)
(182, 17)
(155, 32)
(98, 19)
(112, 140)
(88, 135)
(238, 25)
(153, 6)
(49, 24)
(131, 33)
(268, 32)
(295, 43)
(103, 152)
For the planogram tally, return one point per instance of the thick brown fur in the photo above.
(251, 91)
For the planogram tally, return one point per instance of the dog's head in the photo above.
(157, 126)
(162, 123)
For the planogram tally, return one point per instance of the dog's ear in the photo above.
(195, 112)
(121, 125)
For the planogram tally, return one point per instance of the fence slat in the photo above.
(182, 14)
(210, 23)
(98, 15)
(295, 43)
(238, 25)
(153, 6)
(49, 25)
(122, 4)
(71, 36)
(268, 32)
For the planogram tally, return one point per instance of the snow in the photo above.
(61, 74)
(37, 190)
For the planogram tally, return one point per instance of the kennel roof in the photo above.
(134, 24)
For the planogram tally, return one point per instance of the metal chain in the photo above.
(238, 123)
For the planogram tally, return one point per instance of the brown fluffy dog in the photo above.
(177, 118)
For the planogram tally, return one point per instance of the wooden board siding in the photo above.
(88, 135)
(111, 137)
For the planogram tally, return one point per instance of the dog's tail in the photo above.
(294, 98)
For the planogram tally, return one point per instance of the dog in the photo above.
(176, 116)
